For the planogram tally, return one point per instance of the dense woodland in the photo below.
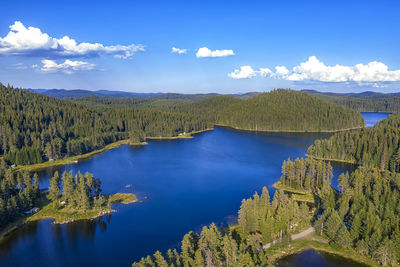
(306, 174)
(19, 192)
(365, 214)
(284, 110)
(363, 102)
(34, 127)
(375, 147)
(260, 221)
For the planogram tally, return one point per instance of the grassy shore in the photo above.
(183, 136)
(289, 131)
(328, 159)
(313, 241)
(75, 159)
(123, 198)
(67, 214)
(298, 195)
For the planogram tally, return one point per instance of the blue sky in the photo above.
(336, 46)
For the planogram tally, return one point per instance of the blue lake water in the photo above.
(309, 258)
(181, 184)
(373, 117)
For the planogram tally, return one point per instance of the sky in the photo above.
(201, 46)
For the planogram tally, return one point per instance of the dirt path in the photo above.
(293, 237)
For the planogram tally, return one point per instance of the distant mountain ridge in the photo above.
(80, 93)
(365, 94)
(77, 93)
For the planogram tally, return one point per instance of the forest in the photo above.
(35, 128)
(363, 102)
(375, 147)
(278, 110)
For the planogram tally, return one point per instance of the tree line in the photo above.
(278, 110)
(377, 103)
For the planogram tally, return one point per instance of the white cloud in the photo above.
(265, 72)
(68, 66)
(315, 70)
(205, 52)
(31, 41)
(178, 50)
(245, 72)
(281, 70)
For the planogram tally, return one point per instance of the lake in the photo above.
(182, 185)
(372, 117)
(311, 257)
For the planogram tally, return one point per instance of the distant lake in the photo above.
(373, 117)
(182, 185)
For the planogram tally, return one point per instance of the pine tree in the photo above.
(55, 190)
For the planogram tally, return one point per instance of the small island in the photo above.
(66, 214)
(79, 198)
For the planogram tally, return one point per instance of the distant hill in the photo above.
(363, 102)
(80, 93)
(366, 94)
(77, 93)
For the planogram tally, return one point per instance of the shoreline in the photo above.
(289, 131)
(333, 160)
(190, 135)
(75, 159)
(186, 136)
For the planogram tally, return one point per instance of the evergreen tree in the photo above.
(54, 189)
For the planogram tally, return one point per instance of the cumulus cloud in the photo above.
(315, 70)
(281, 70)
(205, 52)
(178, 50)
(245, 72)
(31, 41)
(68, 66)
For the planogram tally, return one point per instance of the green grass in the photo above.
(183, 136)
(68, 214)
(296, 194)
(313, 241)
(124, 198)
(328, 159)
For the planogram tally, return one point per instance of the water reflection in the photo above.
(312, 257)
